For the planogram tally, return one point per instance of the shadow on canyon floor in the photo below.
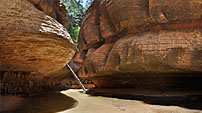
(193, 101)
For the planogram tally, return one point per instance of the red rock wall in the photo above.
(34, 48)
(119, 38)
(52, 8)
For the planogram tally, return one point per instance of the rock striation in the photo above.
(52, 8)
(142, 43)
(33, 47)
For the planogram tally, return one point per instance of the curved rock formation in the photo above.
(142, 43)
(32, 45)
(52, 8)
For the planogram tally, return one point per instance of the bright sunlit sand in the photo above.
(98, 104)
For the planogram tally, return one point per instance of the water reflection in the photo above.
(47, 103)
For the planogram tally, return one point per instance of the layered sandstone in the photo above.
(142, 43)
(33, 47)
(52, 8)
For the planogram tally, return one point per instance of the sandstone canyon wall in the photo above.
(33, 45)
(141, 43)
(52, 8)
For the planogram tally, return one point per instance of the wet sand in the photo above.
(99, 104)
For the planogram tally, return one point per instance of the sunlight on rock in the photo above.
(48, 27)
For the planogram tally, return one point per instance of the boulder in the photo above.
(142, 43)
(33, 46)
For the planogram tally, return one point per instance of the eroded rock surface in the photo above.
(137, 43)
(33, 45)
(52, 8)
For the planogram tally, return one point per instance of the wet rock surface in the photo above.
(142, 43)
(33, 46)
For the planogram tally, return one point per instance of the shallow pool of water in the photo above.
(46, 103)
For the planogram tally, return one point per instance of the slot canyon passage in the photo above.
(134, 56)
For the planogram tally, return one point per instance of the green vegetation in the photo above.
(74, 32)
(75, 11)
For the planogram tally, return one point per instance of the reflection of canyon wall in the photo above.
(32, 45)
(128, 43)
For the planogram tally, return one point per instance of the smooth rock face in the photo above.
(32, 45)
(124, 40)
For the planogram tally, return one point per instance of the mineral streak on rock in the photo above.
(125, 39)
(33, 45)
